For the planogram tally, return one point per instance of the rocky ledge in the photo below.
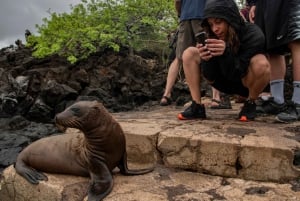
(33, 90)
(261, 158)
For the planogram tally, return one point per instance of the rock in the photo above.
(40, 112)
(39, 88)
(217, 146)
(58, 187)
(18, 122)
(163, 184)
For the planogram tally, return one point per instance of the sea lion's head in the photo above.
(83, 115)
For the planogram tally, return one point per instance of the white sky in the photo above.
(18, 15)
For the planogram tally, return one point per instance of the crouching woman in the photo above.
(232, 59)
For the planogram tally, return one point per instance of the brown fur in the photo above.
(95, 153)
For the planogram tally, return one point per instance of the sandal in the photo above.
(240, 99)
(221, 104)
(167, 101)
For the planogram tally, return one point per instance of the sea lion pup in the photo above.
(94, 154)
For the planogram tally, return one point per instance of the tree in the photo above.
(95, 25)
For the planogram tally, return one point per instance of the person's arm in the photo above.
(252, 4)
(252, 43)
(252, 14)
(178, 7)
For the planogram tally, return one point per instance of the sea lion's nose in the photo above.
(60, 127)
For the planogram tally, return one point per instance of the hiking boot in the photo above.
(292, 113)
(269, 106)
(194, 111)
(248, 111)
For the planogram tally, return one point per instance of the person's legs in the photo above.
(215, 97)
(171, 78)
(192, 72)
(185, 38)
(276, 103)
(278, 69)
(292, 112)
(256, 80)
(257, 77)
(295, 49)
(220, 100)
(191, 62)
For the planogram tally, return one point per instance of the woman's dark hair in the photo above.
(232, 40)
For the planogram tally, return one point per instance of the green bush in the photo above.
(95, 25)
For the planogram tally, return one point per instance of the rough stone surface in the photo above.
(221, 145)
(16, 188)
(163, 184)
(260, 158)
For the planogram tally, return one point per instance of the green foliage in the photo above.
(95, 25)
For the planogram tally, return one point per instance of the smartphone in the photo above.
(201, 37)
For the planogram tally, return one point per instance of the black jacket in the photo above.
(233, 66)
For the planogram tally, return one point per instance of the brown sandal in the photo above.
(221, 104)
(167, 102)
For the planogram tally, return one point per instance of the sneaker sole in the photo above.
(245, 119)
(180, 117)
(286, 122)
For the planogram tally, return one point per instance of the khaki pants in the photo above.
(186, 35)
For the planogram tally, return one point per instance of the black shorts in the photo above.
(231, 87)
(279, 21)
(227, 80)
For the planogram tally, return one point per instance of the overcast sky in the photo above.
(18, 15)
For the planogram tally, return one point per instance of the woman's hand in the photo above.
(203, 52)
(216, 47)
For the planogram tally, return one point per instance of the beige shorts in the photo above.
(186, 35)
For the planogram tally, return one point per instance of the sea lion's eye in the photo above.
(75, 110)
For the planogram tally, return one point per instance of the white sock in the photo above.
(296, 92)
(277, 90)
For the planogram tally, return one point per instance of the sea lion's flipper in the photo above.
(34, 176)
(101, 183)
(30, 174)
(124, 168)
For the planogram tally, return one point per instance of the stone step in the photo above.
(163, 184)
(260, 150)
(221, 145)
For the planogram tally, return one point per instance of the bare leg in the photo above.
(256, 80)
(215, 96)
(171, 78)
(275, 104)
(278, 69)
(295, 49)
(191, 61)
(258, 76)
(292, 111)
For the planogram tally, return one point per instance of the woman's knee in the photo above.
(259, 64)
(191, 54)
